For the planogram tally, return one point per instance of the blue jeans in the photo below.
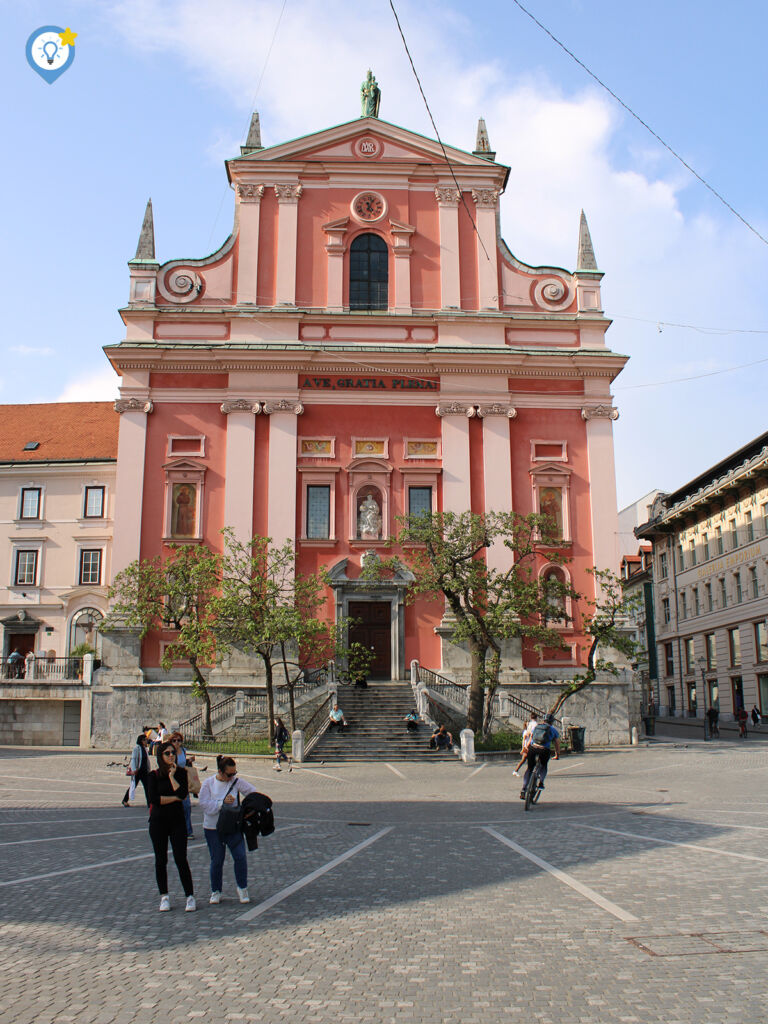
(188, 814)
(217, 847)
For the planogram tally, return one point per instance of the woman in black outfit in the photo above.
(167, 792)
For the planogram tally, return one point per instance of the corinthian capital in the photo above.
(250, 193)
(447, 195)
(497, 409)
(593, 412)
(288, 193)
(240, 405)
(133, 405)
(283, 405)
(455, 409)
(485, 198)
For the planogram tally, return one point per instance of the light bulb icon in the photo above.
(50, 49)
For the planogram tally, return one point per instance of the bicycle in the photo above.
(533, 789)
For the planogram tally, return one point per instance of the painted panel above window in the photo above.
(422, 449)
(317, 447)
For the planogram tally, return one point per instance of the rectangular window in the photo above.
(663, 569)
(683, 605)
(734, 647)
(737, 582)
(30, 503)
(711, 649)
(692, 548)
(26, 569)
(689, 666)
(752, 581)
(761, 642)
(733, 533)
(419, 501)
(680, 558)
(723, 594)
(764, 511)
(708, 591)
(90, 567)
(750, 527)
(719, 540)
(705, 546)
(696, 605)
(665, 609)
(318, 511)
(94, 503)
(669, 660)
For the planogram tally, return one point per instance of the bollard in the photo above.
(467, 746)
(635, 739)
(87, 669)
(422, 702)
(297, 746)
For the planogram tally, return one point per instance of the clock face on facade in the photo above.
(369, 206)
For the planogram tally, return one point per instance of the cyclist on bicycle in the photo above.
(544, 737)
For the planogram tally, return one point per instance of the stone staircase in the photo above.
(376, 729)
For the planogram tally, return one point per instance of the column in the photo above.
(486, 202)
(238, 484)
(287, 234)
(281, 499)
(248, 219)
(455, 435)
(401, 253)
(497, 471)
(450, 279)
(602, 484)
(129, 485)
(335, 230)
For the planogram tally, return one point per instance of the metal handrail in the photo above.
(317, 724)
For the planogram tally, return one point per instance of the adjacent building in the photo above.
(710, 579)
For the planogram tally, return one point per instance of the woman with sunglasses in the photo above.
(183, 759)
(167, 792)
(224, 788)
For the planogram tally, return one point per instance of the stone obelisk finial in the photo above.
(253, 142)
(483, 143)
(586, 256)
(145, 250)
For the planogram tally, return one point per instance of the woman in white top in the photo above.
(526, 742)
(224, 788)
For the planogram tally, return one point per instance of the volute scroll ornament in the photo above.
(288, 193)
(180, 286)
(447, 195)
(497, 409)
(240, 405)
(553, 293)
(455, 409)
(248, 193)
(593, 412)
(132, 405)
(485, 198)
(283, 405)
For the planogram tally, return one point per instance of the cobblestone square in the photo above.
(635, 891)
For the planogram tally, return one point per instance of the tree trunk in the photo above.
(270, 700)
(477, 678)
(490, 692)
(579, 683)
(201, 686)
(290, 683)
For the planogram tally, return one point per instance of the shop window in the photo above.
(368, 273)
(761, 641)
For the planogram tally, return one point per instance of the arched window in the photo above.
(368, 273)
(84, 628)
(555, 584)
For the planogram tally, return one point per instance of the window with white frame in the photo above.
(93, 504)
(551, 498)
(25, 574)
(663, 567)
(708, 592)
(184, 485)
(719, 540)
(419, 501)
(90, 567)
(737, 584)
(705, 546)
(764, 514)
(665, 613)
(750, 527)
(318, 526)
(30, 503)
(688, 646)
(696, 604)
(683, 605)
(723, 593)
(752, 581)
(734, 534)
(692, 549)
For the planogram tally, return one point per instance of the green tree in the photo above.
(445, 552)
(607, 622)
(264, 607)
(175, 593)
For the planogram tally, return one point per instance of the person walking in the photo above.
(138, 770)
(184, 760)
(224, 788)
(281, 738)
(742, 718)
(755, 713)
(167, 790)
(714, 718)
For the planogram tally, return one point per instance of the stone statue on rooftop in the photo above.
(370, 96)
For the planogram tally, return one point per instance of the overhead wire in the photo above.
(639, 119)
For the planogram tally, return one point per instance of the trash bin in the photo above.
(650, 725)
(576, 737)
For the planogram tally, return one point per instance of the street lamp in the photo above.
(702, 663)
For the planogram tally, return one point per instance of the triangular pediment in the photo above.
(341, 144)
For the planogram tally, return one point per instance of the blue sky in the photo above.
(161, 92)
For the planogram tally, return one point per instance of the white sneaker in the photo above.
(191, 905)
(165, 903)
(242, 895)
(215, 897)
(278, 768)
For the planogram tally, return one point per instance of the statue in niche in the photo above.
(369, 519)
(370, 96)
(183, 513)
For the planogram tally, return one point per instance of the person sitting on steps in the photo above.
(441, 739)
(336, 718)
(412, 721)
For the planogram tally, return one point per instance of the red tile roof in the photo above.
(66, 431)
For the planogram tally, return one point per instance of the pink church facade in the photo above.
(364, 346)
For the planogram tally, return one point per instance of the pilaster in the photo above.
(129, 484)
(450, 278)
(455, 436)
(288, 196)
(497, 470)
(238, 485)
(281, 498)
(602, 484)
(248, 219)
(486, 204)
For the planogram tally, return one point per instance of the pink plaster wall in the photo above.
(468, 257)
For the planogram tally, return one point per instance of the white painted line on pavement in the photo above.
(57, 821)
(675, 842)
(83, 835)
(700, 821)
(576, 764)
(83, 867)
(659, 768)
(68, 779)
(595, 897)
(471, 774)
(262, 908)
(395, 770)
(314, 771)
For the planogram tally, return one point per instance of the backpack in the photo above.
(541, 735)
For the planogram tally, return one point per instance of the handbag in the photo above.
(228, 822)
(193, 780)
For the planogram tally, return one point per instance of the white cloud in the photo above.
(101, 386)
(30, 350)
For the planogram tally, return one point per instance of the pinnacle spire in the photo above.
(482, 143)
(145, 250)
(253, 142)
(586, 257)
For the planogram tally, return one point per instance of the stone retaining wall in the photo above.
(32, 723)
